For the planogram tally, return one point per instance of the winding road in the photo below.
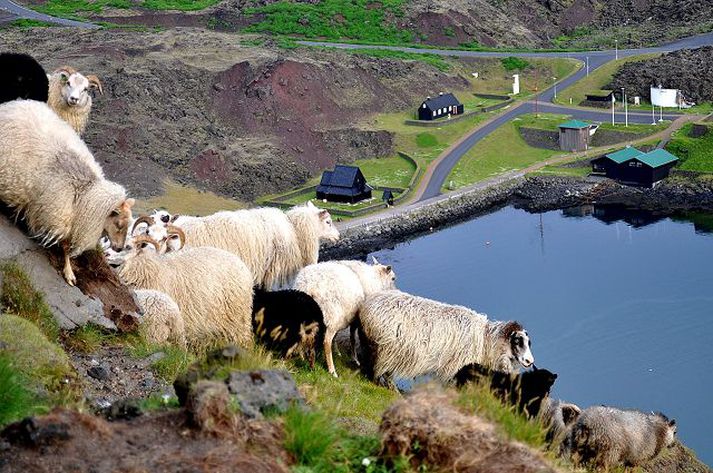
(436, 176)
(22, 12)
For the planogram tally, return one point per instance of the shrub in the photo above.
(514, 63)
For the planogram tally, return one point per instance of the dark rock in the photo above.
(209, 407)
(100, 373)
(123, 409)
(31, 433)
(258, 392)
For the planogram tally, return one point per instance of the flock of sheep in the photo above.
(253, 276)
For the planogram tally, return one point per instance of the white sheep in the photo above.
(49, 176)
(408, 336)
(69, 96)
(162, 321)
(274, 244)
(339, 287)
(213, 289)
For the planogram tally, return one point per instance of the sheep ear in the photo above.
(95, 83)
(672, 423)
(388, 268)
(324, 214)
(310, 205)
(127, 204)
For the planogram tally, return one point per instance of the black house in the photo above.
(632, 166)
(441, 106)
(344, 184)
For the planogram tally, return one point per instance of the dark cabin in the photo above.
(574, 135)
(441, 106)
(388, 197)
(344, 184)
(633, 166)
(603, 96)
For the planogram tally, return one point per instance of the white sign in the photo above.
(516, 84)
(664, 97)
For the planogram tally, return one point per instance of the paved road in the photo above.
(22, 12)
(432, 183)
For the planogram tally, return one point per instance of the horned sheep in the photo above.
(212, 288)
(408, 336)
(162, 321)
(69, 96)
(274, 244)
(607, 437)
(289, 322)
(339, 287)
(49, 176)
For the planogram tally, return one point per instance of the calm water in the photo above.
(622, 310)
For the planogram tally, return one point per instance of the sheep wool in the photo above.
(162, 321)
(339, 287)
(48, 175)
(607, 437)
(409, 336)
(273, 244)
(212, 288)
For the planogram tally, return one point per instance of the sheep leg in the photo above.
(352, 339)
(328, 338)
(67, 271)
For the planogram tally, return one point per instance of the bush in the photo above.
(514, 63)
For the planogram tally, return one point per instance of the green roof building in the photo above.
(632, 166)
(574, 135)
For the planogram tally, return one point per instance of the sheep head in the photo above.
(519, 343)
(161, 216)
(175, 239)
(116, 224)
(326, 230)
(385, 273)
(74, 86)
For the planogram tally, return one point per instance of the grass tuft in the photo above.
(309, 436)
(20, 298)
(174, 361)
(16, 401)
(85, 339)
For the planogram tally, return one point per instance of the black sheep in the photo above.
(288, 321)
(21, 77)
(527, 390)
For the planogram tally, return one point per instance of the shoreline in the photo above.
(681, 192)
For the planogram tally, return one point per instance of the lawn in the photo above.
(180, 199)
(551, 121)
(490, 158)
(78, 8)
(696, 154)
(309, 194)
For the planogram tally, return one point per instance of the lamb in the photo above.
(21, 77)
(289, 322)
(406, 335)
(49, 176)
(274, 244)
(212, 288)
(339, 287)
(528, 390)
(559, 417)
(69, 96)
(162, 321)
(607, 437)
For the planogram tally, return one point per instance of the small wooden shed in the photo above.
(574, 135)
(633, 166)
(343, 184)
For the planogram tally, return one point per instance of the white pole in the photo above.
(555, 79)
(653, 114)
(616, 49)
(587, 65)
(612, 108)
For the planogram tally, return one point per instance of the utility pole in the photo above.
(613, 99)
(587, 65)
(555, 79)
(626, 108)
(616, 49)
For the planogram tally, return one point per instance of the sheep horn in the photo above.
(173, 230)
(69, 70)
(143, 219)
(146, 239)
(94, 82)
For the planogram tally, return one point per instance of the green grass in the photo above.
(76, 9)
(16, 401)
(695, 154)
(183, 5)
(489, 157)
(512, 64)
(85, 339)
(596, 81)
(20, 298)
(426, 140)
(434, 60)
(362, 20)
(563, 171)
(309, 435)
(174, 361)
(25, 23)
(42, 362)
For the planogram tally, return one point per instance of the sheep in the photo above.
(408, 336)
(528, 390)
(69, 96)
(339, 287)
(288, 321)
(49, 176)
(274, 244)
(147, 225)
(162, 321)
(559, 417)
(607, 437)
(212, 288)
(22, 77)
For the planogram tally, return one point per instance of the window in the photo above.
(632, 164)
(434, 113)
(424, 105)
(638, 165)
